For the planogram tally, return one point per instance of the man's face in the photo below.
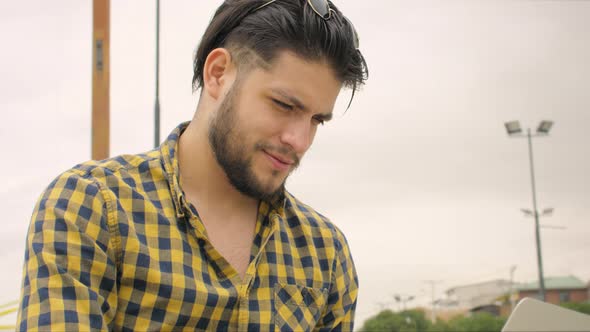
(268, 120)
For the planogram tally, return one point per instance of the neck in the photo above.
(203, 181)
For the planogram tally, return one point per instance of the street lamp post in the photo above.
(510, 295)
(403, 300)
(514, 130)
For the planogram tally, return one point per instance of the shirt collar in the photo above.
(169, 149)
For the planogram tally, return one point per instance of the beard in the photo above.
(228, 144)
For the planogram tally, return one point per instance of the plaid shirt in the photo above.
(114, 245)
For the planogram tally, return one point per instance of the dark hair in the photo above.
(242, 26)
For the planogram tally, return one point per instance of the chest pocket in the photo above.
(298, 308)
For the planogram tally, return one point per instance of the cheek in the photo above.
(267, 126)
(256, 132)
(257, 117)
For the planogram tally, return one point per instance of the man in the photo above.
(200, 233)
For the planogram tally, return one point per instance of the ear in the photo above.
(217, 72)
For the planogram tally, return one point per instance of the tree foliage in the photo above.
(415, 321)
(579, 307)
(404, 321)
(480, 322)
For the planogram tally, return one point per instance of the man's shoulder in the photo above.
(95, 172)
(99, 169)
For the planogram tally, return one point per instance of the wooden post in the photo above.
(100, 80)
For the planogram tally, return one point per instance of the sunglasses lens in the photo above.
(321, 7)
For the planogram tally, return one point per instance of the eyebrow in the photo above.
(298, 104)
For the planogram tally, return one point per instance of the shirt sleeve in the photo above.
(69, 273)
(342, 298)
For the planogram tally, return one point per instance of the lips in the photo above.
(281, 159)
(279, 162)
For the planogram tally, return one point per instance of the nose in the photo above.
(298, 135)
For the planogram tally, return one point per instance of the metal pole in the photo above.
(433, 309)
(433, 313)
(510, 294)
(157, 102)
(536, 213)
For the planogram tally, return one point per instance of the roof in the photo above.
(567, 282)
(495, 282)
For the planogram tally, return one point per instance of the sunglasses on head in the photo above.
(323, 10)
(320, 7)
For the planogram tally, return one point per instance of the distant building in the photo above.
(494, 296)
(476, 295)
(557, 290)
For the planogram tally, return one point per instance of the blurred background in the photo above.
(420, 173)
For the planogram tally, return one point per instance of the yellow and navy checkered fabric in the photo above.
(114, 245)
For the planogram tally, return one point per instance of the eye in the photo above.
(319, 120)
(283, 105)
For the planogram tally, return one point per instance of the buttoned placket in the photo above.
(242, 285)
(267, 234)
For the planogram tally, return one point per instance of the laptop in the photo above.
(532, 315)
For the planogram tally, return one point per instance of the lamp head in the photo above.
(544, 127)
(513, 127)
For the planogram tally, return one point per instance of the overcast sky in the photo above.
(419, 173)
